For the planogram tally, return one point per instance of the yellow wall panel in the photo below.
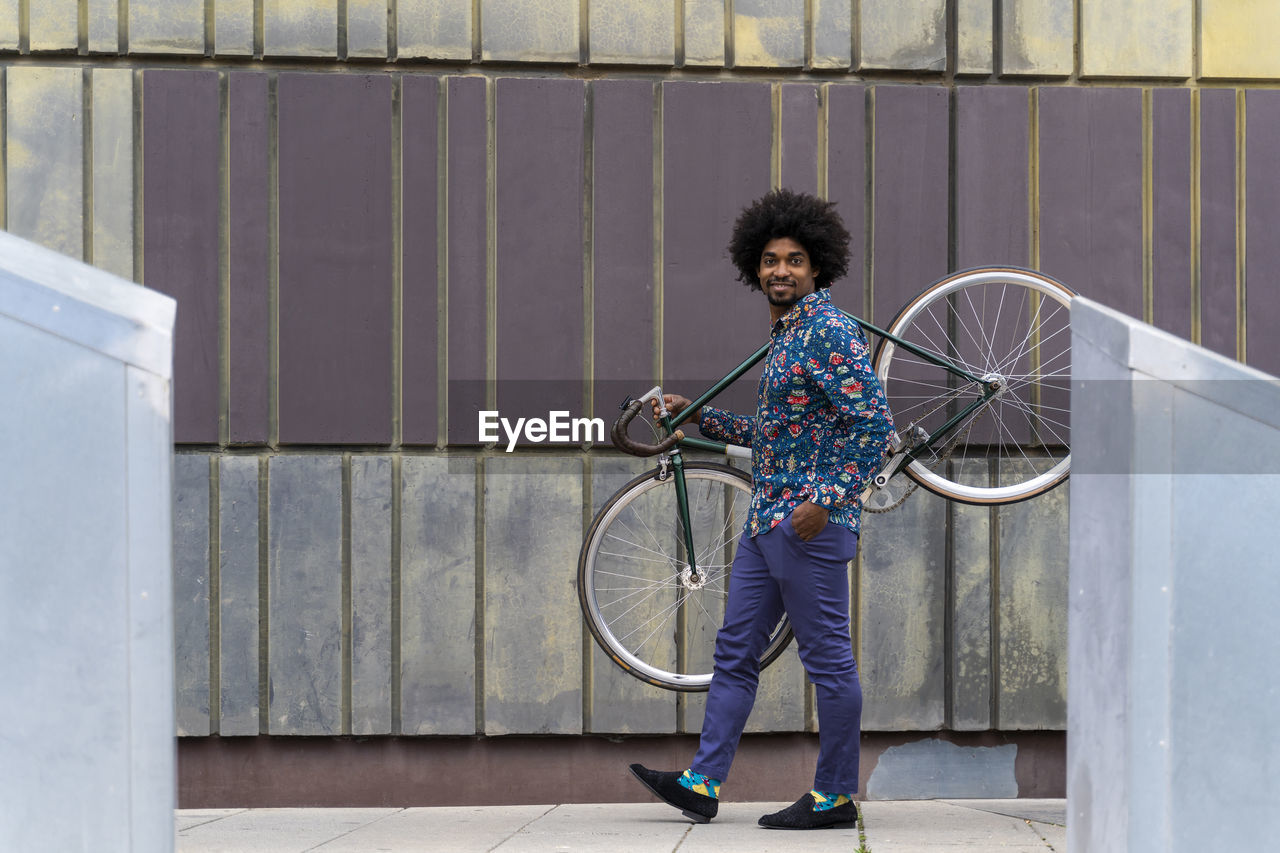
(768, 33)
(433, 29)
(53, 24)
(529, 30)
(299, 28)
(908, 35)
(640, 31)
(367, 29)
(9, 15)
(166, 26)
(104, 26)
(832, 33)
(1238, 38)
(113, 201)
(974, 43)
(233, 28)
(44, 133)
(1136, 38)
(703, 32)
(1038, 37)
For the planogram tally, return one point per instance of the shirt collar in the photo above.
(803, 309)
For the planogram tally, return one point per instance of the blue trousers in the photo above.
(773, 572)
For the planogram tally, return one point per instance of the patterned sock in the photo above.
(824, 800)
(700, 784)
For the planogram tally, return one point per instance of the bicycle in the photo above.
(977, 367)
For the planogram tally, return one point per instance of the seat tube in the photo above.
(682, 508)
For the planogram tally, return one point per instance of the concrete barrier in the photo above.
(86, 445)
(1174, 653)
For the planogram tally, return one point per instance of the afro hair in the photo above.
(808, 220)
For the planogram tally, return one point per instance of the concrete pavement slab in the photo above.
(937, 826)
(191, 818)
(463, 829)
(735, 830)
(1040, 811)
(275, 830)
(639, 827)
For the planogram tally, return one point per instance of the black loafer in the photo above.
(699, 808)
(800, 815)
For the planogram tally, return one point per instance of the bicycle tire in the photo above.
(1003, 322)
(637, 588)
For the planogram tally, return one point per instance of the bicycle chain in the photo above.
(947, 450)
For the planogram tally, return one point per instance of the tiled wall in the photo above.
(524, 205)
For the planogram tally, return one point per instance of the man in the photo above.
(820, 430)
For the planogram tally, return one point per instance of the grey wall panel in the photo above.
(468, 240)
(438, 596)
(1217, 221)
(1033, 613)
(716, 159)
(239, 596)
(532, 630)
(972, 680)
(191, 591)
(305, 595)
(992, 221)
(180, 233)
(44, 157)
(847, 186)
(1091, 192)
(622, 239)
(540, 128)
(780, 699)
(247, 259)
(370, 643)
(799, 124)
(911, 174)
(620, 703)
(113, 179)
(1171, 268)
(420, 299)
(1262, 250)
(335, 258)
(902, 596)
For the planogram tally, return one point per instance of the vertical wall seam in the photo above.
(215, 595)
(397, 544)
(491, 242)
(588, 360)
(824, 140)
(993, 474)
(4, 150)
(997, 36)
(659, 201)
(397, 261)
(264, 594)
(82, 27)
(477, 38)
(953, 192)
(86, 165)
(1148, 208)
(345, 644)
(259, 30)
(480, 596)
(869, 205)
(1197, 24)
(1242, 326)
(24, 27)
(393, 31)
(1195, 216)
(855, 34)
(138, 178)
(210, 28)
(678, 54)
(273, 260)
(343, 13)
(775, 141)
(728, 34)
(224, 259)
(584, 32)
(442, 261)
(1033, 175)
(808, 35)
(122, 26)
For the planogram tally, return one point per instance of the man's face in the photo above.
(786, 275)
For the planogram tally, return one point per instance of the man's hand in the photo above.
(675, 405)
(808, 519)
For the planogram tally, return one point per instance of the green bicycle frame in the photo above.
(677, 460)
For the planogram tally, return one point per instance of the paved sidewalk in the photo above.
(909, 826)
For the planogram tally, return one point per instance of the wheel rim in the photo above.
(1007, 325)
(644, 608)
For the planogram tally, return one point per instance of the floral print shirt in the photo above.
(822, 424)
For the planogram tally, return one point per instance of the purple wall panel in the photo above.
(420, 292)
(247, 224)
(1262, 254)
(467, 248)
(800, 137)
(1091, 193)
(911, 163)
(622, 239)
(1171, 209)
(540, 130)
(180, 227)
(716, 160)
(335, 258)
(1218, 220)
(847, 185)
(992, 201)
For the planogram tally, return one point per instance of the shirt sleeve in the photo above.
(719, 425)
(839, 364)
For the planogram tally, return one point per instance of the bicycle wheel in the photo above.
(1006, 325)
(637, 593)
